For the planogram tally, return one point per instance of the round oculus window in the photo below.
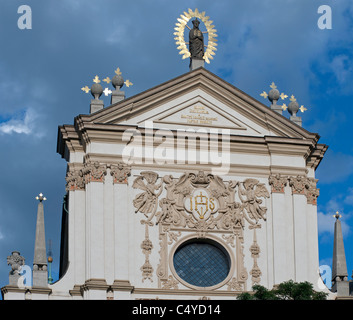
(202, 263)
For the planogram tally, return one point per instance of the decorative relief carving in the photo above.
(299, 185)
(16, 261)
(236, 285)
(229, 239)
(241, 272)
(147, 270)
(278, 182)
(162, 269)
(312, 192)
(306, 186)
(200, 203)
(255, 252)
(74, 180)
(206, 202)
(170, 283)
(146, 246)
(253, 192)
(120, 173)
(147, 201)
(94, 172)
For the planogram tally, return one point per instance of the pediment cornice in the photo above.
(109, 124)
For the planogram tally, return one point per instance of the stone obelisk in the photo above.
(40, 271)
(340, 282)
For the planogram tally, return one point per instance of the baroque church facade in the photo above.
(150, 215)
(190, 190)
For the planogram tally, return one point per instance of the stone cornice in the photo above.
(316, 155)
(36, 290)
(101, 284)
(122, 285)
(94, 284)
(10, 288)
(68, 141)
(219, 88)
(101, 126)
(308, 149)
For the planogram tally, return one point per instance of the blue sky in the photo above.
(43, 69)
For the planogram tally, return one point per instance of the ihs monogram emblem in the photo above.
(201, 204)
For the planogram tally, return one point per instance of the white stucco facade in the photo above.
(127, 219)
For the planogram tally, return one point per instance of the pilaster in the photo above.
(121, 222)
(94, 178)
(77, 232)
(298, 185)
(282, 237)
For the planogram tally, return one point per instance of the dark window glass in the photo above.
(201, 263)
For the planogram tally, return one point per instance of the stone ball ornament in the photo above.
(293, 106)
(96, 90)
(273, 95)
(118, 81)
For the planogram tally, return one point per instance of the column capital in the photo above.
(94, 172)
(278, 182)
(74, 179)
(120, 173)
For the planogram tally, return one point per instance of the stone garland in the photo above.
(255, 252)
(146, 246)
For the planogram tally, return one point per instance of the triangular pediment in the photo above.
(199, 99)
(197, 110)
(199, 113)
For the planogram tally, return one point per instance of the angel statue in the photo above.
(253, 190)
(146, 202)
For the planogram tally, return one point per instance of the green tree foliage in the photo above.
(288, 290)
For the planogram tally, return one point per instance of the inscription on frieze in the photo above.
(198, 115)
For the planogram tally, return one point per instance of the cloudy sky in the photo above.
(42, 70)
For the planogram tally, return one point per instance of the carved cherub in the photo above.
(164, 214)
(252, 191)
(237, 215)
(146, 202)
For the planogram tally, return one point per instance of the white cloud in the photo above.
(326, 223)
(349, 198)
(21, 125)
